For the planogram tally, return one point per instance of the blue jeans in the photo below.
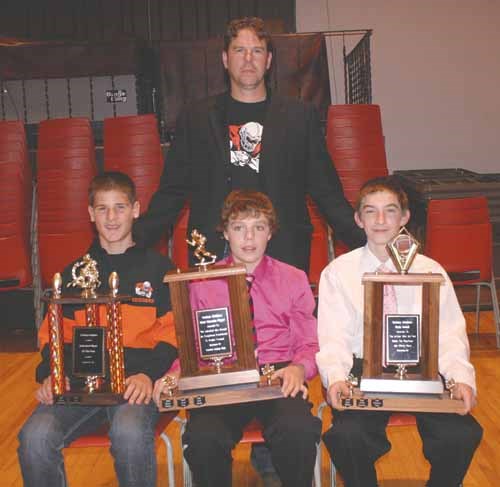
(50, 428)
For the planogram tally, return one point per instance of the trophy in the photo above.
(214, 336)
(92, 345)
(400, 351)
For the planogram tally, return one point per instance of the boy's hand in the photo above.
(293, 377)
(44, 393)
(139, 389)
(336, 391)
(466, 394)
(161, 387)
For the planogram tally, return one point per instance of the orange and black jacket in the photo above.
(148, 328)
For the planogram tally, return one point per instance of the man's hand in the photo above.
(336, 391)
(139, 389)
(161, 387)
(466, 394)
(292, 377)
(44, 393)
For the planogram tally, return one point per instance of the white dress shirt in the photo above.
(340, 316)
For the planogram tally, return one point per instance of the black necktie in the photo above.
(249, 281)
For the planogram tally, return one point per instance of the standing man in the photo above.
(250, 138)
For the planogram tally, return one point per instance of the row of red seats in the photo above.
(15, 201)
(66, 164)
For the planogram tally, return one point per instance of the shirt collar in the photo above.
(98, 249)
(371, 262)
(258, 272)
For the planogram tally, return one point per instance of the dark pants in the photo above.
(358, 438)
(289, 428)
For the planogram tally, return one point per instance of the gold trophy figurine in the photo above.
(402, 250)
(198, 241)
(267, 372)
(85, 276)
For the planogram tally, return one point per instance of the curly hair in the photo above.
(246, 203)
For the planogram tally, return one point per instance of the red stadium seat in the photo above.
(459, 237)
(132, 145)
(66, 165)
(356, 145)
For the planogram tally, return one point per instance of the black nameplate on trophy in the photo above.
(89, 351)
(168, 403)
(402, 336)
(347, 402)
(183, 402)
(214, 333)
(199, 400)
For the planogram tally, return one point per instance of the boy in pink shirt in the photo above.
(286, 337)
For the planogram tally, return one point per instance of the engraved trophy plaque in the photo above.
(214, 336)
(400, 351)
(97, 351)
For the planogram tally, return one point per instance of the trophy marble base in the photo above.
(85, 399)
(399, 386)
(410, 403)
(240, 377)
(220, 396)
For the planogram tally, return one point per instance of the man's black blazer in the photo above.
(294, 162)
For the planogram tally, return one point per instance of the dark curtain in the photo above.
(191, 70)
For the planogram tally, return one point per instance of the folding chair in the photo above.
(396, 419)
(251, 434)
(100, 438)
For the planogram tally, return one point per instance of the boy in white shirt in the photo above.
(358, 438)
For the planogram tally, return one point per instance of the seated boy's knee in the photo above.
(38, 435)
(206, 440)
(469, 431)
(307, 429)
(342, 432)
(476, 433)
(131, 422)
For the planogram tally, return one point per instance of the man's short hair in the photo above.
(385, 183)
(112, 180)
(255, 24)
(244, 203)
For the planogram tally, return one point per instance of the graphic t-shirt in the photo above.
(245, 123)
